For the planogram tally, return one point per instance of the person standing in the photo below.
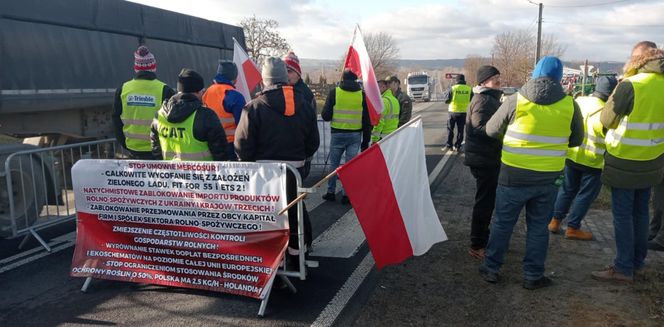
(346, 108)
(226, 102)
(482, 155)
(405, 103)
(583, 166)
(634, 159)
(656, 236)
(536, 126)
(295, 79)
(185, 130)
(279, 125)
(389, 118)
(458, 97)
(136, 103)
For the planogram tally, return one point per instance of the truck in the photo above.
(60, 64)
(419, 86)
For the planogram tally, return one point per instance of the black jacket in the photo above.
(480, 149)
(266, 133)
(166, 94)
(350, 86)
(301, 87)
(207, 127)
(543, 91)
(405, 107)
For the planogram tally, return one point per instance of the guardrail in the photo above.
(38, 187)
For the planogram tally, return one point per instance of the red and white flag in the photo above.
(248, 75)
(389, 189)
(357, 60)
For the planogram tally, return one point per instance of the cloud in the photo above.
(443, 29)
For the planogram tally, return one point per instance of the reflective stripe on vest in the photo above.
(214, 99)
(347, 110)
(640, 135)
(178, 142)
(591, 152)
(392, 117)
(140, 99)
(537, 139)
(460, 98)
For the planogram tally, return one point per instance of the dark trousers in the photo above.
(291, 194)
(486, 181)
(457, 119)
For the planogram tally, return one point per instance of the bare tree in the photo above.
(262, 38)
(471, 65)
(383, 51)
(513, 54)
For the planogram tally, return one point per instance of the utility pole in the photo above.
(539, 34)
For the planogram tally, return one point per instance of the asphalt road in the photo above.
(37, 290)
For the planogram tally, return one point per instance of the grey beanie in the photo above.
(227, 69)
(274, 71)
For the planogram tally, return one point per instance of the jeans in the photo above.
(538, 200)
(486, 181)
(630, 223)
(340, 143)
(575, 196)
(657, 222)
(457, 119)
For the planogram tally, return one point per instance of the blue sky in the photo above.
(593, 29)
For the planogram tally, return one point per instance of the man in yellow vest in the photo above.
(583, 166)
(389, 118)
(279, 125)
(136, 103)
(226, 102)
(458, 97)
(183, 129)
(634, 160)
(536, 125)
(346, 109)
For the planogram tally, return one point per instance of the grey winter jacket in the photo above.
(405, 105)
(543, 91)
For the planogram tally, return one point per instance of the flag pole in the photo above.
(334, 173)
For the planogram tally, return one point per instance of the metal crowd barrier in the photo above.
(38, 185)
(322, 157)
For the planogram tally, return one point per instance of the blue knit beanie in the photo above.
(549, 66)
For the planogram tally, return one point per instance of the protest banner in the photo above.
(212, 225)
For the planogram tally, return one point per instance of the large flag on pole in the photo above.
(357, 60)
(389, 189)
(248, 75)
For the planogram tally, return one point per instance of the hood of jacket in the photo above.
(180, 107)
(488, 91)
(350, 86)
(651, 61)
(543, 91)
(272, 98)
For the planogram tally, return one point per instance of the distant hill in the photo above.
(438, 64)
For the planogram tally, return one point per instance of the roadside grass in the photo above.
(4, 139)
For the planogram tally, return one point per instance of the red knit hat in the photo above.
(292, 62)
(144, 60)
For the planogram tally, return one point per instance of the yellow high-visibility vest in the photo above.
(141, 99)
(640, 135)
(178, 142)
(347, 111)
(460, 98)
(591, 152)
(537, 139)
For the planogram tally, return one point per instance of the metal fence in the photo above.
(322, 156)
(38, 187)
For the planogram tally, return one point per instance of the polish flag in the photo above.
(389, 189)
(357, 60)
(248, 75)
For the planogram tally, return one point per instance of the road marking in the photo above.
(69, 240)
(439, 167)
(337, 304)
(341, 240)
(334, 308)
